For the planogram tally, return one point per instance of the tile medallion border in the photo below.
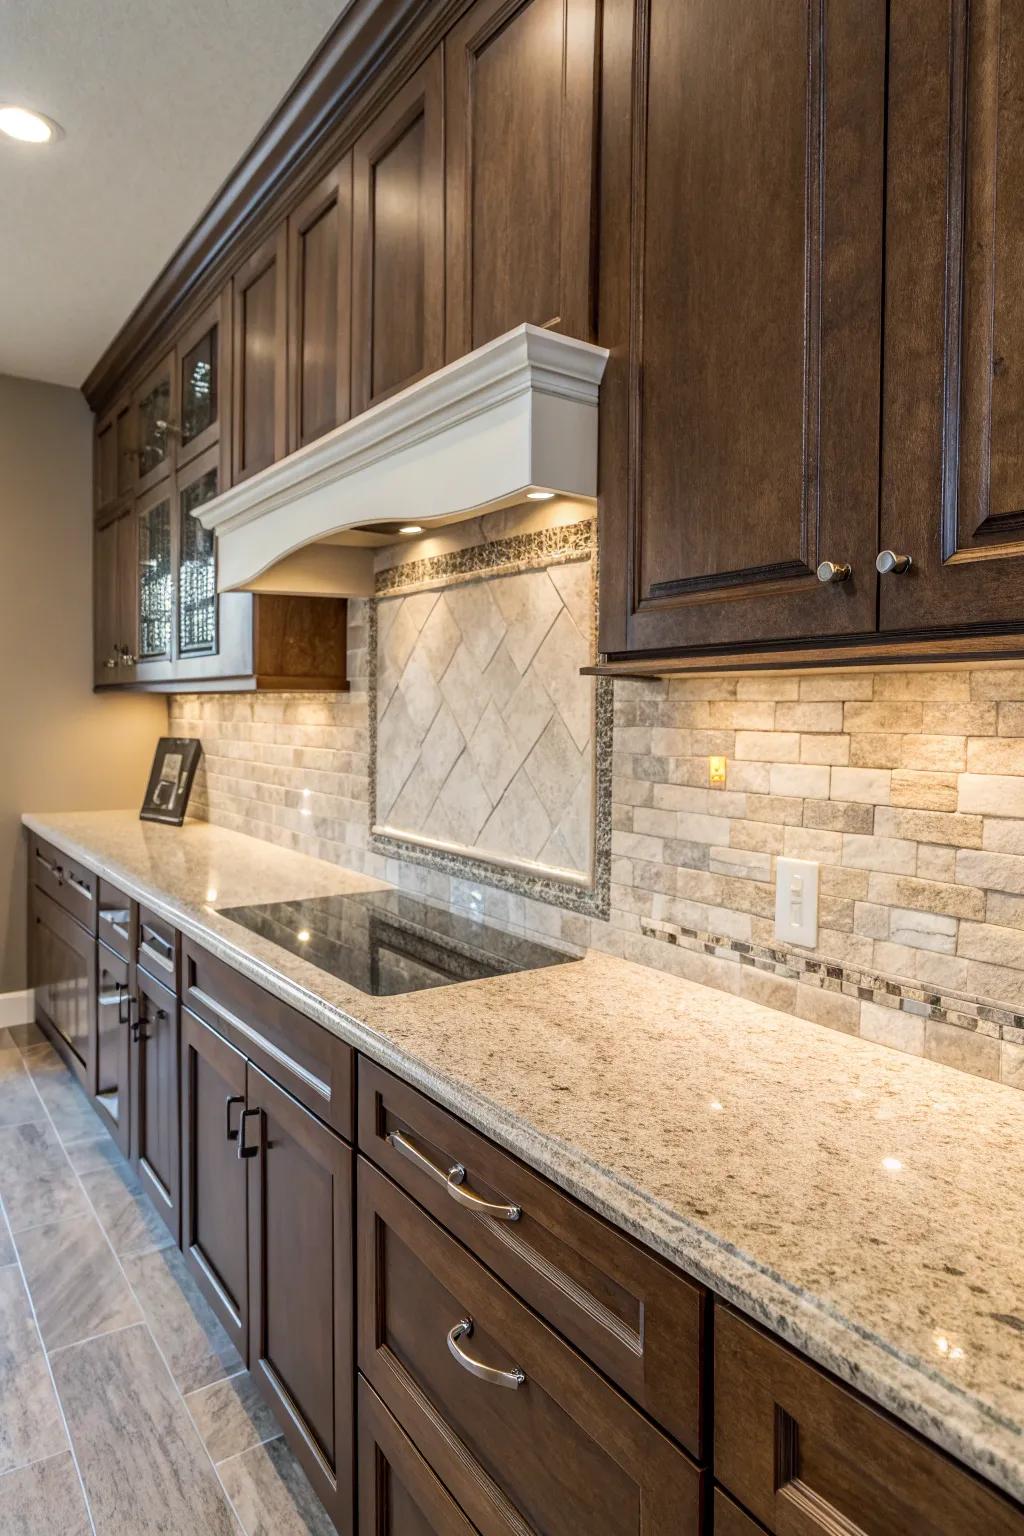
(505, 557)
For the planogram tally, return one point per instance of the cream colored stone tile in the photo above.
(833, 1009)
(555, 768)
(813, 843)
(839, 685)
(768, 746)
(886, 718)
(996, 754)
(825, 749)
(929, 827)
(998, 983)
(892, 855)
(758, 836)
(419, 606)
(806, 780)
(765, 987)
(876, 751)
(942, 754)
(557, 663)
(743, 863)
(399, 741)
(928, 895)
(961, 1048)
(529, 604)
(481, 625)
(952, 687)
(741, 715)
(419, 692)
(869, 785)
(961, 720)
(464, 691)
(501, 677)
(992, 871)
(577, 824)
(935, 863)
(986, 941)
(871, 920)
(923, 930)
(992, 795)
(943, 972)
(751, 778)
(891, 1026)
(441, 747)
(997, 683)
(921, 790)
(848, 884)
(1001, 835)
(464, 801)
(1011, 1064)
(681, 797)
(839, 816)
(494, 753)
(783, 810)
(805, 716)
(773, 687)
(703, 829)
(574, 583)
(654, 821)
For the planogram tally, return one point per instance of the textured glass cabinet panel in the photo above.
(154, 410)
(199, 387)
(197, 571)
(155, 585)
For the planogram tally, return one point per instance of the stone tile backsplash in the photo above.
(906, 787)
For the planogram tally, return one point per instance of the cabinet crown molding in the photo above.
(520, 411)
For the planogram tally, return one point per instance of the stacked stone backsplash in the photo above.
(907, 787)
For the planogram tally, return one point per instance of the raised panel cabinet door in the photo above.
(319, 307)
(953, 423)
(741, 279)
(62, 969)
(113, 463)
(398, 1493)
(259, 375)
(113, 1023)
(519, 169)
(214, 1212)
(155, 1098)
(106, 610)
(300, 1284)
(398, 241)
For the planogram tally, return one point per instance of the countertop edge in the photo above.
(987, 1445)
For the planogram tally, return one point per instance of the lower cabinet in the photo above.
(155, 1133)
(62, 969)
(214, 1210)
(113, 1025)
(398, 1493)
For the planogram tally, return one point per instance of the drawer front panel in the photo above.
(398, 1493)
(116, 920)
(311, 1063)
(113, 1026)
(809, 1458)
(65, 881)
(636, 1318)
(512, 1420)
(158, 949)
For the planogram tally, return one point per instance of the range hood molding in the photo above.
(518, 412)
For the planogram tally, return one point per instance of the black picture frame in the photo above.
(170, 781)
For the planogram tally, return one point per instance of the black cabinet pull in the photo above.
(232, 1098)
(122, 998)
(243, 1150)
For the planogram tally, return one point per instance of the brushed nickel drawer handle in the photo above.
(453, 1179)
(464, 1330)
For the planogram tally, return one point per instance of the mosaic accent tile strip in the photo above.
(520, 551)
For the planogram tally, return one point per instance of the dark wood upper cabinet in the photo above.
(259, 385)
(519, 164)
(204, 385)
(741, 297)
(113, 462)
(154, 425)
(398, 241)
(115, 581)
(953, 425)
(319, 308)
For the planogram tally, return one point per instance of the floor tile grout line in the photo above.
(145, 1323)
(104, 1333)
(53, 1380)
(195, 1391)
(37, 1461)
(254, 1447)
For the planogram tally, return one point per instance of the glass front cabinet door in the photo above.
(197, 564)
(154, 409)
(203, 355)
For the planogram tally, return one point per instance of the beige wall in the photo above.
(62, 747)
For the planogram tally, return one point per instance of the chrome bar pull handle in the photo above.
(489, 1373)
(831, 571)
(889, 563)
(453, 1179)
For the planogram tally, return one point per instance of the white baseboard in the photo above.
(17, 1008)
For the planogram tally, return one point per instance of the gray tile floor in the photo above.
(124, 1407)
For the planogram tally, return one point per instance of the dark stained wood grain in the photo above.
(398, 1493)
(214, 1217)
(740, 430)
(519, 162)
(112, 1089)
(299, 642)
(639, 1320)
(398, 241)
(62, 970)
(807, 1456)
(730, 1520)
(319, 307)
(155, 1099)
(565, 1453)
(301, 1286)
(259, 383)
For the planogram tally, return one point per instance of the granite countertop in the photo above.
(860, 1203)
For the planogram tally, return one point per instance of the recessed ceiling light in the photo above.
(539, 495)
(28, 127)
(410, 528)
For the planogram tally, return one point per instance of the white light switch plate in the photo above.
(796, 901)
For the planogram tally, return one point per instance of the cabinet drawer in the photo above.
(158, 949)
(116, 920)
(65, 881)
(311, 1063)
(632, 1315)
(513, 1421)
(806, 1456)
(730, 1520)
(398, 1493)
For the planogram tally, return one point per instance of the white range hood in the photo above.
(516, 414)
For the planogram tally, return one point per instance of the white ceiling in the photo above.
(158, 99)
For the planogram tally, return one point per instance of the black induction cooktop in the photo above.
(385, 942)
